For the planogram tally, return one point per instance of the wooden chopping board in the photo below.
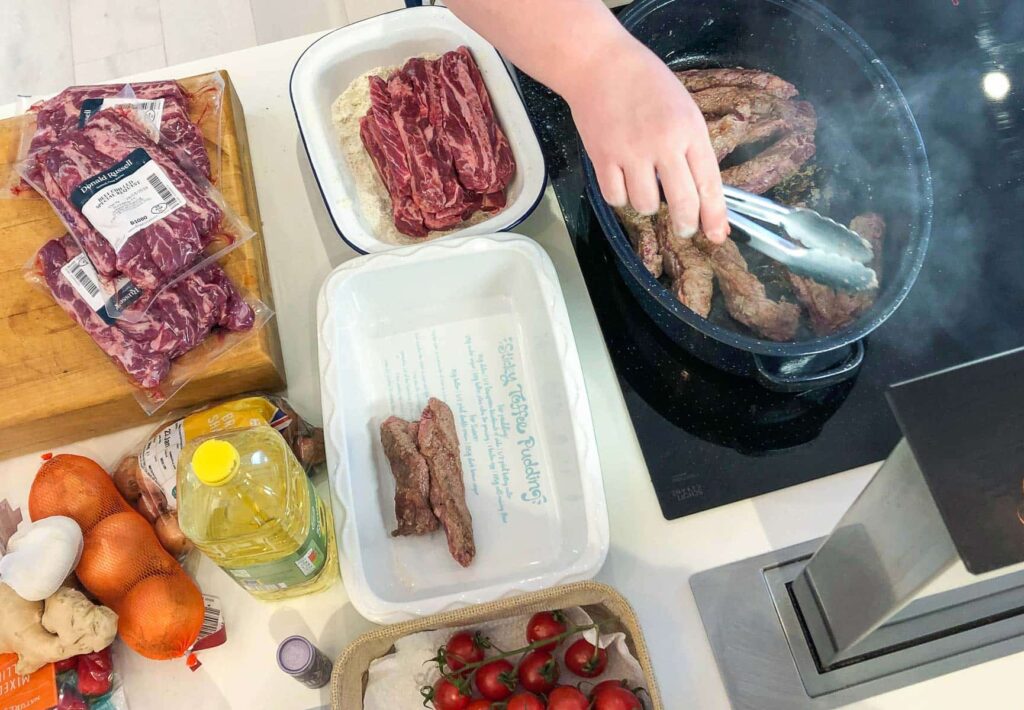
(56, 385)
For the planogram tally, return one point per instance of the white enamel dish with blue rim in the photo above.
(335, 60)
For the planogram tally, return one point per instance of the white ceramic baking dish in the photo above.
(480, 323)
(330, 65)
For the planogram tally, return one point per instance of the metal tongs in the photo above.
(817, 247)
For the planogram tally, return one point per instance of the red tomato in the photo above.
(524, 701)
(496, 680)
(538, 671)
(616, 698)
(479, 705)
(608, 684)
(448, 697)
(545, 625)
(461, 650)
(565, 697)
(584, 660)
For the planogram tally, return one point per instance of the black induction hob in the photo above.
(710, 438)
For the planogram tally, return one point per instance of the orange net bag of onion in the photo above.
(159, 607)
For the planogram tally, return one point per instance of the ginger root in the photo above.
(65, 625)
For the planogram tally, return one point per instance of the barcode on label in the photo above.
(210, 619)
(211, 616)
(169, 198)
(83, 277)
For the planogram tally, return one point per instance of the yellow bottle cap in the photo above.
(215, 462)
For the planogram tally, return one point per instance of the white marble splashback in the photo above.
(46, 45)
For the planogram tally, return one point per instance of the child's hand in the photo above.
(640, 126)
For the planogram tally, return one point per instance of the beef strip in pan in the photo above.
(412, 477)
(828, 309)
(640, 230)
(745, 296)
(686, 265)
(439, 443)
(699, 79)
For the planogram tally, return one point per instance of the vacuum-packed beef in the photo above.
(158, 327)
(167, 238)
(64, 112)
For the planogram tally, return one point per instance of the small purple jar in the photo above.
(303, 661)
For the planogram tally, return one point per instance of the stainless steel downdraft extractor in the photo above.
(923, 575)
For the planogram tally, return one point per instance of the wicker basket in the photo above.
(605, 605)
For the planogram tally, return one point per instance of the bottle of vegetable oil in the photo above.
(245, 501)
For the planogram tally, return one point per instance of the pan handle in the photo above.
(803, 381)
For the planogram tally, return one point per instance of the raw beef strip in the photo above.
(506, 163)
(700, 79)
(828, 309)
(412, 477)
(689, 268)
(439, 443)
(60, 114)
(412, 116)
(479, 148)
(745, 296)
(640, 229)
(178, 317)
(158, 252)
(406, 215)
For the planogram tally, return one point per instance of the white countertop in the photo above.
(651, 559)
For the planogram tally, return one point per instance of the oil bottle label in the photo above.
(301, 566)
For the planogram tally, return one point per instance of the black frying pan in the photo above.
(869, 150)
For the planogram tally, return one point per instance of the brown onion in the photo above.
(126, 478)
(170, 534)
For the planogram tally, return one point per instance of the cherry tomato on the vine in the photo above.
(545, 625)
(524, 701)
(584, 660)
(616, 698)
(565, 697)
(538, 671)
(496, 680)
(462, 649)
(448, 697)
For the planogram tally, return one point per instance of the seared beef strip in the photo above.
(766, 170)
(640, 229)
(756, 117)
(687, 266)
(828, 309)
(412, 477)
(745, 296)
(748, 103)
(700, 79)
(439, 443)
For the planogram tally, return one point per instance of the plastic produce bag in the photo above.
(89, 682)
(147, 475)
(164, 338)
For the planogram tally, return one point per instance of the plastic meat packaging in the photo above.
(186, 117)
(160, 339)
(132, 208)
(147, 475)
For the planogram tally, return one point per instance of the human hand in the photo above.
(640, 126)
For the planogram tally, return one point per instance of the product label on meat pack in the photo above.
(148, 112)
(127, 197)
(303, 565)
(107, 302)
